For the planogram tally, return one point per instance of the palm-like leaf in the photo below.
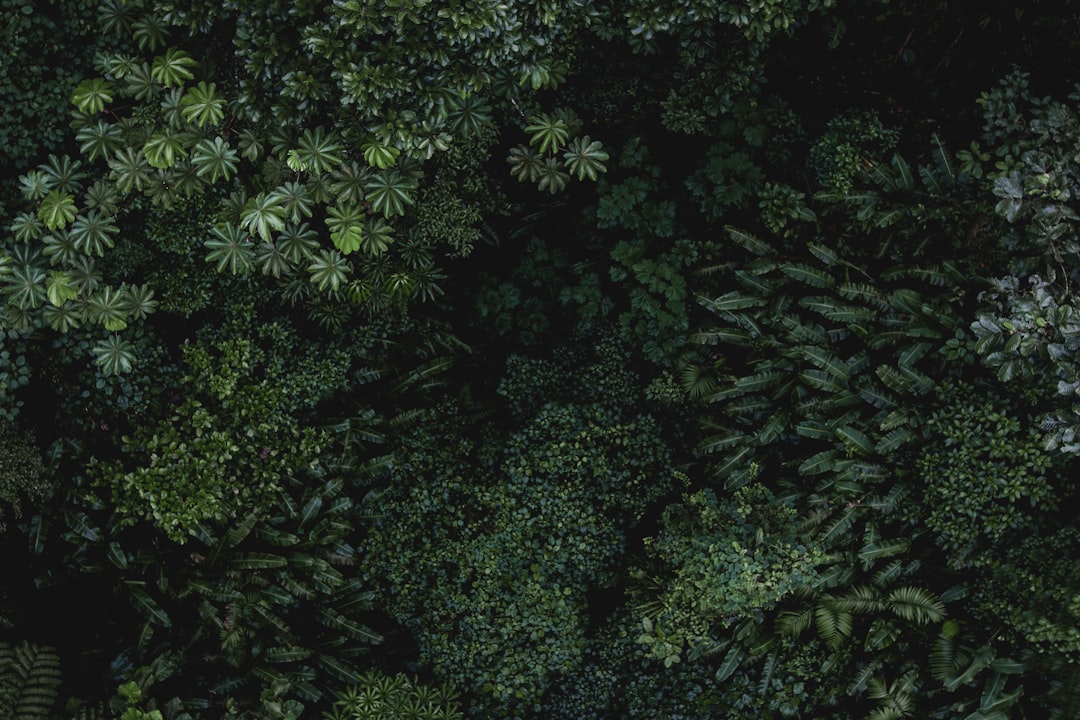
(378, 236)
(202, 105)
(60, 248)
(57, 209)
(318, 152)
(389, 192)
(294, 197)
(379, 155)
(329, 270)
(346, 225)
(298, 243)
(91, 96)
(66, 173)
(84, 274)
(101, 138)
(525, 164)
(140, 300)
(36, 184)
(214, 158)
(271, 260)
(164, 148)
(116, 16)
(64, 318)
(916, 604)
(470, 115)
(130, 170)
(139, 82)
(172, 68)
(25, 286)
(109, 307)
(263, 215)
(552, 177)
(60, 288)
(29, 680)
(92, 233)
(119, 65)
(230, 247)
(171, 109)
(347, 184)
(547, 132)
(114, 355)
(585, 158)
(26, 227)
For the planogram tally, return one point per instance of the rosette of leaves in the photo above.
(556, 156)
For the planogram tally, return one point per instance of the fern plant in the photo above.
(29, 680)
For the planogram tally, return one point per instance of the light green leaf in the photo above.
(57, 209)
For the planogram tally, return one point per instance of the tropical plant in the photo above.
(218, 452)
(517, 529)
(29, 680)
(381, 697)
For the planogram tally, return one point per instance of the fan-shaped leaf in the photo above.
(172, 68)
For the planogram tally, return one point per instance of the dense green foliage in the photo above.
(573, 360)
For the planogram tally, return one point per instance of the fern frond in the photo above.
(833, 626)
(916, 604)
(29, 679)
(767, 674)
(696, 381)
(943, 659)
(862, 599)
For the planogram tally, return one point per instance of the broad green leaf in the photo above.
(855, 440)
(57, 209)
(982, 658)
(388, 192)
(547, 132)
(821, 380)
(60, 288)
(346, 224)
(92, 95)
(730, 663)
(318, 151)
(172, 68)
(818, 463)
(231, 248)
(328, 270)
(808, 275)
(146, 604)
(202, 106)
(748, 241)
(723, 441)
(263, 215)
(99, 139)
(163, 149)
(214, 158)
(379, 155)
(257, 561)
(585, 158)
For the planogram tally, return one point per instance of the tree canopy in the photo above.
(572, 360)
